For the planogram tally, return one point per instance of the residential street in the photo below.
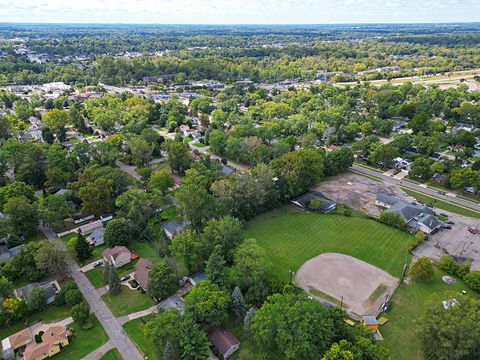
(112, 327)
(418, 188)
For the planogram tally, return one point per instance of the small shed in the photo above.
(224, 341)
(370, 322)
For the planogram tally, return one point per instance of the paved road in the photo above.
(112, 327)
(417, 188)
(130, 170)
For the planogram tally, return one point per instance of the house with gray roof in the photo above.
(302, 202)
(416, 217)
(172, 228)
(52, 288)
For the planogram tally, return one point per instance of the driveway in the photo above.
(110, 324)
(42, 326)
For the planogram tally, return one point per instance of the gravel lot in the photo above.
(338, 276)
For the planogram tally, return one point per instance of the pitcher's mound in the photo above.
(360, 287)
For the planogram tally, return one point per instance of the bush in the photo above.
(73, 297)
(38, 337)
(347, 211)
(315, 205)
(473, 280)
(447, 264)
(422, 269)
(81, 313)
(392, 219)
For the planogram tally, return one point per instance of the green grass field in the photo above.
(134, 330)
(96, 276)
(292, 237)
(83, 342)
(408, 305)
(112, 355)
(443, 204)
(127, 302)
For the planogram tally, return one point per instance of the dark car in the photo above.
(449, 222)
(448, 227)
(430, 205)
(442, 192)
(125, 278)
(443, 214)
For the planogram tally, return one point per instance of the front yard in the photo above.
(134, 330)
(127, 302)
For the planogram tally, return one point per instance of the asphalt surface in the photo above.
(409, 185)
(112, 327)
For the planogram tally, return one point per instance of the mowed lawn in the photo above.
(408, 306)
(111, 355)
(135, 331)
(292, 237)
(127, 302)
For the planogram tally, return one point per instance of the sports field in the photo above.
(292, 237)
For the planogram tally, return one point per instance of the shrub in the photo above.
(422, 269)
(73, 297)
(473, 280)
(447, 264)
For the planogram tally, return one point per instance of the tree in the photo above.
(178, 155)
(55, 209)
(60, 167)
(299, 170)
(362, 349)
(163, 328)
(73, 297)
(169, 352)
(57, 120)
(6, 288)
(338, 161)
(223, 234)
(238, 303)
(161, 181)
(106, 273)
(297, 326)
(215, 269)
(51, 260)
(190, 247)
(421, 169)
(193, 341)
(14, 309)
(383, 155)
(473, 280)
(81, 313)
(17, 189)
(141, 151)
(116, 233)
(207, 303)
(420, 122)
(248, 319)
(22, 215)
(161, 281)
(249, 268)
(447, 264)
(442, 331)
(422, 269)
(392, 219)
(96, 196)
(38, 298)
(114, 285)
(83, 249)
(195, 204)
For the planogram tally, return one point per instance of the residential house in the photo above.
(303, 202)
(16, 341)
(226, 170)
(224, 341)
(53, 341)
(63, 192)
(172, 228)
(96, 237)
(90, 227)
(142, 268)
(52, 288)
(117, 256)
(439, 178)
(195, 278)
(416, 217)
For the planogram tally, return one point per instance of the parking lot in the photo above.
(457, 242)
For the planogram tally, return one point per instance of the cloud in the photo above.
(239, 11)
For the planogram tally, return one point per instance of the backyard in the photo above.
(408, 305)
(127, 302)
(292, 237)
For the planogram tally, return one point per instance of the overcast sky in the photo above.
(239, 11)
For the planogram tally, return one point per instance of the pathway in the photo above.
(151, 310)
(42, 326)
(130, 170)
(98, 353)
(112, 327)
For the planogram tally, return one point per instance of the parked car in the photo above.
(442, 192)
(430, 205)
(443, 214)
(449, 222)
(125, 278)
(98, 263)
(448, 227)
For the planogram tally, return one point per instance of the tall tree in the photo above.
(238, 303)
(83, 249)
(51, 260)
(161, 281)
(193, 340)
(114, 285)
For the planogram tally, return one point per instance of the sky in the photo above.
(239, 11)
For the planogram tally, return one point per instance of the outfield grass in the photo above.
(83, 342)
(408, 305)
(134, 330)
(112, 355)
(51, 314)
(444, 205)
(127, 302)
(292, 237)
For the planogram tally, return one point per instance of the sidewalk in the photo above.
(98, 353)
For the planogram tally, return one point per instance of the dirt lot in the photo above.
(331, 276)
(358, 192)
(458, 242)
